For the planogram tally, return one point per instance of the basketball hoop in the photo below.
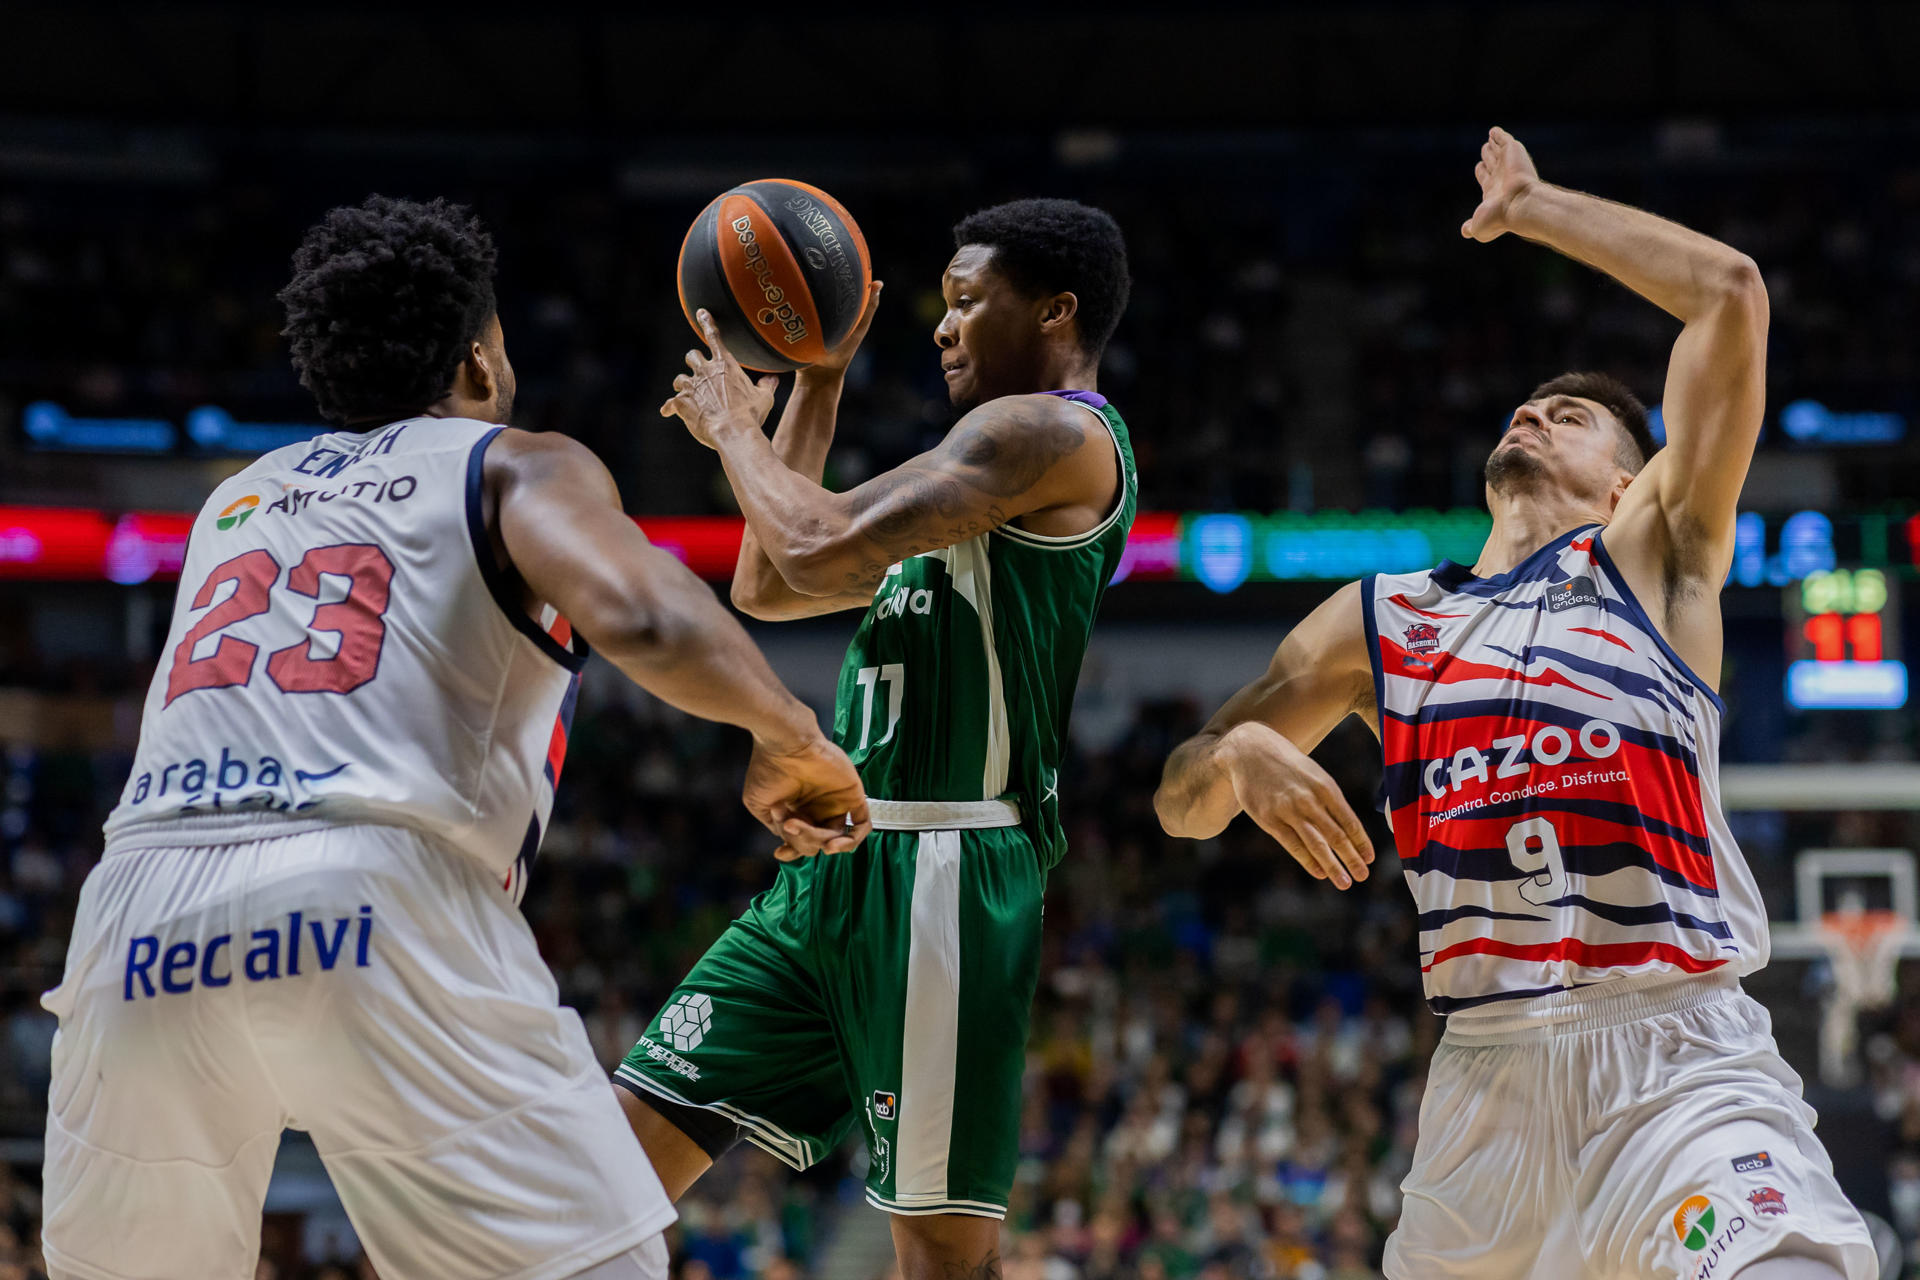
(1858, 913)
(1863, 949)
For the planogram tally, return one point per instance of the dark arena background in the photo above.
(1227, 1057)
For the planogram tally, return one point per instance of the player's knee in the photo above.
(941, 1245)
(681, 1142)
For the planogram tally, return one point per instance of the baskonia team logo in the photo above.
(236, 512)
(1768, 1201)
(1693, 1222)
(1422, 637)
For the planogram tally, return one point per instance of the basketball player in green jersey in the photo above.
(890, 987)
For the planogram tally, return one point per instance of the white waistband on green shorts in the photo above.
(942, 815)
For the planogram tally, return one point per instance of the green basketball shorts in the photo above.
(887, 988)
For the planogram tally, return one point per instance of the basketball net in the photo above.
(1863, 951)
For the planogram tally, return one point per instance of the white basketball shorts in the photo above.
(366, 984)
(1660, 1136)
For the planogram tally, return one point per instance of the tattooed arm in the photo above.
(1010, 457)
(801, 441)
(1019, 456)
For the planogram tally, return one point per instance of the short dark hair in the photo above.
(1058, 246)
(386, 299)
(1618, 399)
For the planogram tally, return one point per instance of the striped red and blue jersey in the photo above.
(346, 648)
(1551, 779)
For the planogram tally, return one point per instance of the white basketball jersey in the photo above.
(345, 648)
(1552, 781)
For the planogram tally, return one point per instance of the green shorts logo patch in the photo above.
(885, 1105)
(686, 1021)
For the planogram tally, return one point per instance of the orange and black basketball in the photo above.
(782, 268)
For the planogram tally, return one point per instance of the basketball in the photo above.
(781, 267)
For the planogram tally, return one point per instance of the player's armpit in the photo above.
(1672, 534)
(556, 515)
(1252, 755)
(1683, 504)
(1011, 457)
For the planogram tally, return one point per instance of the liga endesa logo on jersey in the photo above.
(1571, 594)
(236, 512)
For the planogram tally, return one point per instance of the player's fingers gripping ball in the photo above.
(781, 267)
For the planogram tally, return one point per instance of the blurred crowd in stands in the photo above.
(1307, 329)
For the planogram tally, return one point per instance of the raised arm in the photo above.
(801, 441)
(1676, 520)
(1252, 756)
(1015, 456)
(555, 517)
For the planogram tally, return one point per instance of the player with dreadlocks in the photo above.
(307, 912)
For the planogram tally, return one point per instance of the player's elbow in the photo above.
(752, 596)
(1174, 804)
(819, 562)
(1739, 284)
(1180, 817)
(776, 606)
(1171, 812)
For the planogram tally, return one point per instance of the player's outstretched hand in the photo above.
(716, 390)
(1506, 174)
(1296, 803)
(810, 797)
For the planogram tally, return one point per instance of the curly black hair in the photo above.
(386, 300)
(1618, 399)
(1058, 246)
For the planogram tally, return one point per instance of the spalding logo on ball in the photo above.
(781, 267)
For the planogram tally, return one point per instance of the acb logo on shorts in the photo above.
(885, 1105)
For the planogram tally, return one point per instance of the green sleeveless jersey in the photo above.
(958, 683)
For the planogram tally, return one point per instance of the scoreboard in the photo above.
(1843, 641)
